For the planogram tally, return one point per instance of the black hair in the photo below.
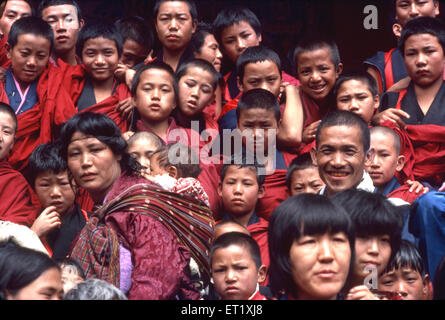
(439, 281)
(198, 38)
(234, 15)
(6, 108)
(45, 158)
(101, 127)
(238, 239)
(20, 266)
(407, 256)
(361, 76)
(182, 157)
(202, 64)
(242, 160)
(50, 3)
(191, 4)
(256, 54)
(295, 217)
(30, 25)
(98, 29)
(3, 7)
(345, 118)
(422, 25)
(316, 43)
(259, 99)
(372, 214)
(136, 29)
(301, 162)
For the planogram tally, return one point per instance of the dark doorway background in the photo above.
(286, 21)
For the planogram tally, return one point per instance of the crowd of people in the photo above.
(131, 168)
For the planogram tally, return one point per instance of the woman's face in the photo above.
(93, 165)
(320, 265)
(48, 286)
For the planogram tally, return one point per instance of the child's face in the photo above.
(141, 149)
(372, 252)
(65, 24)
(409, 9)
(405, 280)
(261, 75)
(29, 57)
(100, 57)
(237, 38)
(317, 73)
(14, 10)
(305, 181)
(7, 134)
(155, 168)
(320, 265)
(234, 273)
(354, 96)
(54, 190)
(174, 24)
(195, 91)
(155, 95)
(132, 53)
(260, 122)
(210, 52)
(424, 59)
(385, 161)
(240, 191)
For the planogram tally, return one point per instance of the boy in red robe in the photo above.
(15, 194)
(33, 88)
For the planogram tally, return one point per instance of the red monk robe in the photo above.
(40, 124)
(424, 149)
(16, 204)
(4, 61)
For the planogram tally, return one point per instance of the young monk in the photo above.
(61, 218)
(175, 23)
(65, 18)
(241, 188)
(236, 29)
(33, 88)
(302, 176)
(16, 203)
(237, 268)
(388, 68)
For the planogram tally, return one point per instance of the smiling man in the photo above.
(342, 144)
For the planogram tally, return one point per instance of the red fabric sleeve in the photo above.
(258, 231)
(275, 193)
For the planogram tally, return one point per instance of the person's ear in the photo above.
(8, 50)
(260, 38)
(195, 25)
(400, 163)
(81, 24)
(219, 189)
(339, 70)
(262, 273)
(397, 30)
(427, 288)
(239, 84)
(314, 156)
(376, 102)
(261, 192)
(172, 172)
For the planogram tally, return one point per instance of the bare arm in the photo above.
(291, 125)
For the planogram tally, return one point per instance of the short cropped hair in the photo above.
(98, 29)
(422, 25)
(361, 76)
(180, 156)
(137, 29)
(234, 15)
(6, 108)
(202, 64)
(30, 25)
(301, 162)
(407, 256)
(153, 138)
(94, 289)
(345, 118)
(242, 160)
(390, 132)
(372, 215)
(256, 54)
(191, 4)
(50, 3)
(238, 239)
(198, 38)
(259, 99)
(312, 44)
(45, 158)
(298, 216)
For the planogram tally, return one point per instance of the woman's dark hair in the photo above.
(372, 215)
(20, 266)
(98, 29)
(105, 130)
(297, 216)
